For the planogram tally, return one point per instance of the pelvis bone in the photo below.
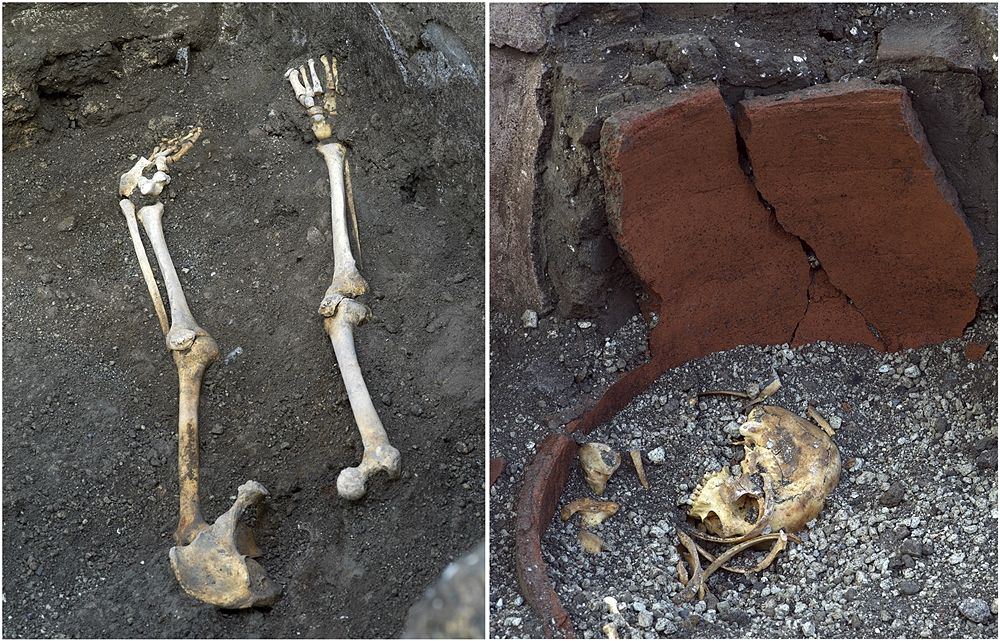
(789, 468)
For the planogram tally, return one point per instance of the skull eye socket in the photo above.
(743, 507)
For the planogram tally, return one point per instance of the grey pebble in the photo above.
(975, 610)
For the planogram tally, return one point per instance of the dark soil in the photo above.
(89, 390)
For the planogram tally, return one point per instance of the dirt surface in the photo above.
(907, 539)
(89, 390)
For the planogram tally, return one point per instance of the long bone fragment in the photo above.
(211, 562)
(342, 314)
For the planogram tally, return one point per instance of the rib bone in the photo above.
(210, 562)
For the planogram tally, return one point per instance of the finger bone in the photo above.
(316, 86)
(301, 93)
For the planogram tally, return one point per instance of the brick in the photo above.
(847, 168)
(544, 480)
(721, 272)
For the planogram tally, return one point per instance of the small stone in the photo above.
(911, 547)
(909, 587)
(218, 429)
(975, 610)
(893, 496)
(808, 629)
(529, 319)
(66, 224)
(584, 324)
(462, 448)
(47, 278)
(314, 236)
(956, 558)
(645, 620)
(911, 372)
(657, 456)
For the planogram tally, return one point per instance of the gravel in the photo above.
(905, 547)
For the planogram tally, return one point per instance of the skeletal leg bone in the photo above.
(347, 280)
(147, 272)
(340, 311)
(210, 562)
(379, 455)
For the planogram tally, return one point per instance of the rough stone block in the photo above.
(848, 169)
(517, 125)
(521, 26)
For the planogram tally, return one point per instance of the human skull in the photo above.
(797, 465)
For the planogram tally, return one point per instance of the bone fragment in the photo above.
(819, 420)
(591, 543)
(698, 583)
(598, 462)
(378, 455)
(593, 512)
(636, 457)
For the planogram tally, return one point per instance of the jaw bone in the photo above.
(210, 562)
(340, 311)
